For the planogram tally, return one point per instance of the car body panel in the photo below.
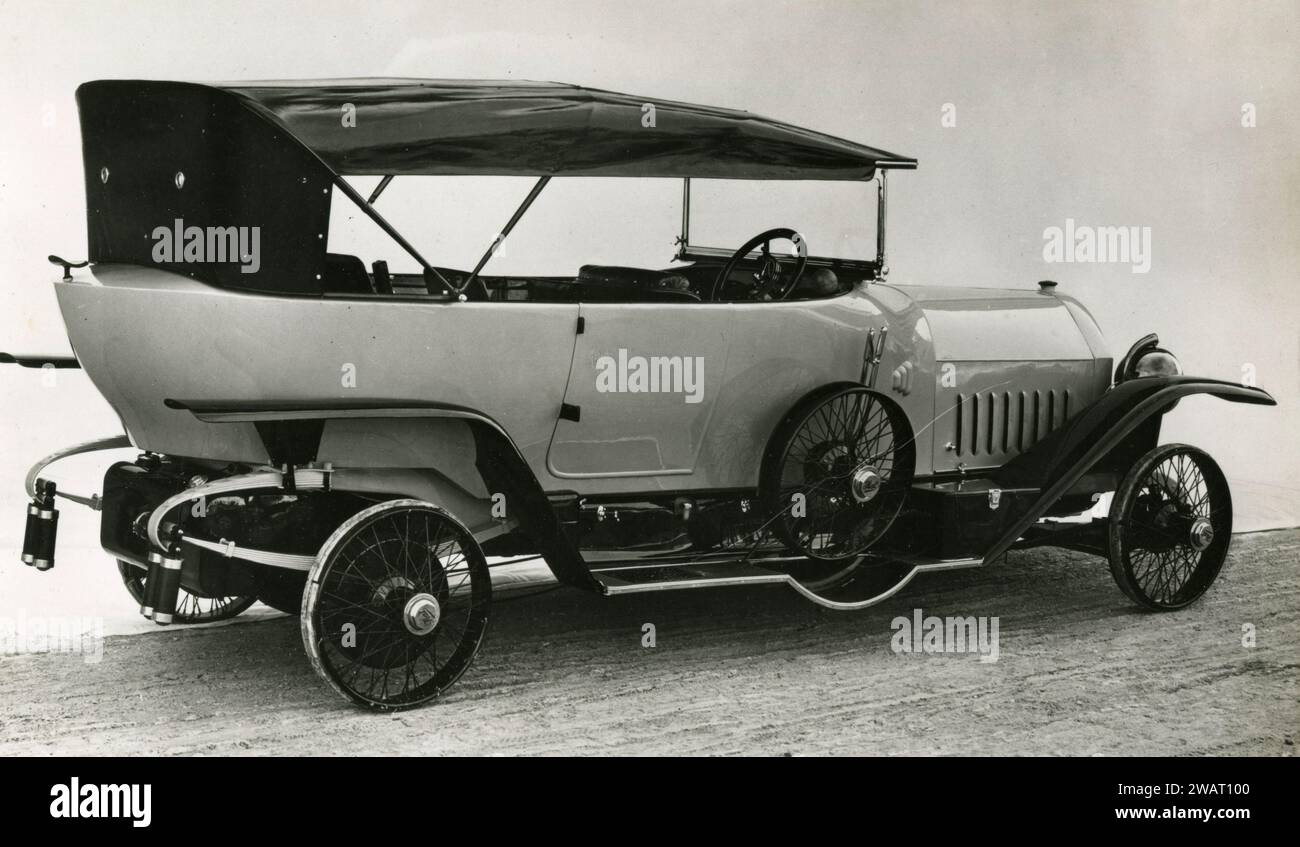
(145, 335)
(991, 411)
(986, 324)
(631, 425)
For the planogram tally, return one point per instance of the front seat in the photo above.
(631, 285)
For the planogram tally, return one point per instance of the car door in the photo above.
(642, 390)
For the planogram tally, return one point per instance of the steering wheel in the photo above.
(767, 280)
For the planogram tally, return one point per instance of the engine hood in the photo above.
(1007, 325)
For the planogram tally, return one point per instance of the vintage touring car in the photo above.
(740, 416)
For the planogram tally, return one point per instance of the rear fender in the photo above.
(291, 433)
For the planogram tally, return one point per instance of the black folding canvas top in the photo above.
(267, 154)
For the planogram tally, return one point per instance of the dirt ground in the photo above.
(734, 671)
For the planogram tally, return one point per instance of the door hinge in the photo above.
(570, 412)
(582, 324)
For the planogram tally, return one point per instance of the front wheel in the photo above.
(396, 605)
(1170, 526)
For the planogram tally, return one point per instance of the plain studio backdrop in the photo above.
(1023, 115)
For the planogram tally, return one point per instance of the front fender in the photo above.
(1057, 463)
(1098, 425)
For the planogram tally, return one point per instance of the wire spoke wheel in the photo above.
(1170, 526)
(837, 474)
(190, 608)
(396, 605)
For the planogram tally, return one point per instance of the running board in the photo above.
(877, 582)
(873, 583)
(638, 580)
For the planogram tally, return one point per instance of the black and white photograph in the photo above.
(695, 378)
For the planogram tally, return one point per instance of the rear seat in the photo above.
(345, 274)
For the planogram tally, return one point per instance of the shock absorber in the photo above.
(42, 527)
(169, 585)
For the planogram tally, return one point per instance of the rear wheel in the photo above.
(190, 608)
(1170, 526)
(396, 605)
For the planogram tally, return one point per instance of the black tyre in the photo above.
(1170, 527)
(836, 473)
(190, 608)
(396, 605)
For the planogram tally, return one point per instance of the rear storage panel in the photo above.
(959, 519)
(163, 157)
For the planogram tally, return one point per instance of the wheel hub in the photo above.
(865, 484)
(421, 614)
(390, 589)
(1201, 534)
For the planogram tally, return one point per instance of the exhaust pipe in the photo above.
(169, 586)
(152, 579)
(42, 527)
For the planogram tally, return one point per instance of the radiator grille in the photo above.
(1000, 422)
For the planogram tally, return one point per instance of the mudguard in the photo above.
(1101, 438)
(499, 462)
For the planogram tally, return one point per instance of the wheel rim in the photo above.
(850, 461)
(190, 608)
(1176, 530)
(397, 605)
